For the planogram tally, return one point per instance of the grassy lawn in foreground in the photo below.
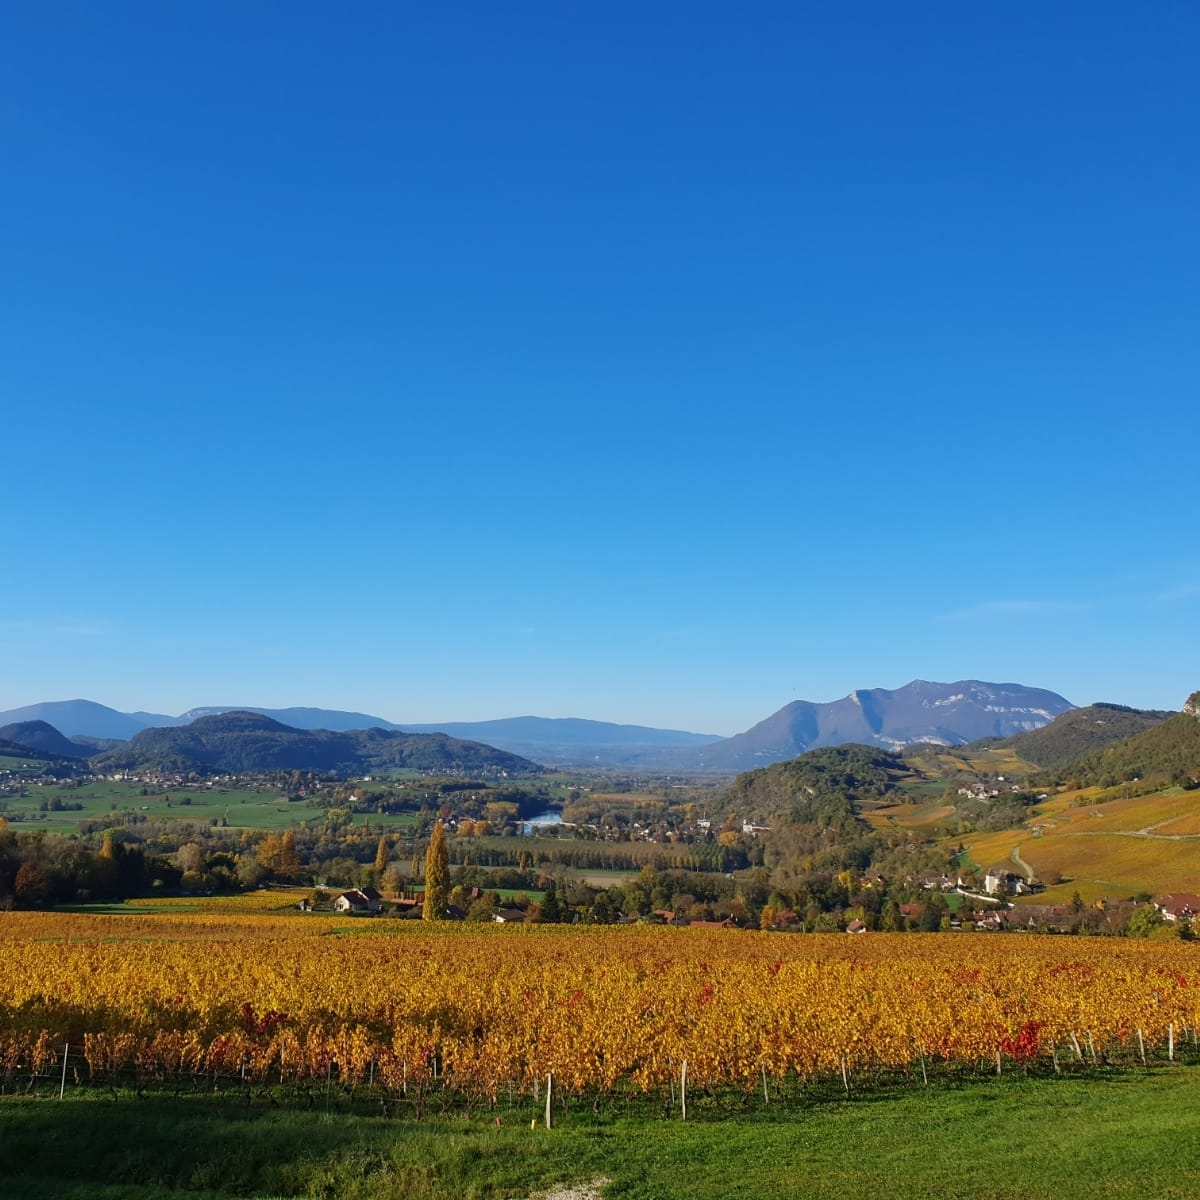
(1129, 1134)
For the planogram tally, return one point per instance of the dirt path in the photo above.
(580, 1191)
(1021, 863)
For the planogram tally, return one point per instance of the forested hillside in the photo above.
(42, 738)
(250, 742)
(1168, 754)
(1079, 732)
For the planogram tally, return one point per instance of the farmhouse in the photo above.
(358, 900)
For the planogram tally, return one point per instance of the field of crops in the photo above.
(472, 1012)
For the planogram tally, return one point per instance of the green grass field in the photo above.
(1108, 1137)
(239, 809)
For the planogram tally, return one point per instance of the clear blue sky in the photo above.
(650, 362)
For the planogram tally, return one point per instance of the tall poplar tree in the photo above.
(437, 876)
(381, 857)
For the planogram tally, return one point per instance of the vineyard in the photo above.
(468, 1015)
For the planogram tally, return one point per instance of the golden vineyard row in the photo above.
(489, 1008)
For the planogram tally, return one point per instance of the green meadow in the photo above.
(237, 808)
(1128, 1135)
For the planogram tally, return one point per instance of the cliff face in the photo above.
(1192, 707)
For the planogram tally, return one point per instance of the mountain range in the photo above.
(948, 714)
(945, 713)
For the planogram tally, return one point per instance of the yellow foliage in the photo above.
(482, 1007)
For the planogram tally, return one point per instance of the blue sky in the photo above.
(659, 363)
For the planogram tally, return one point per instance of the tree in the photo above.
(1143, 921)
(604, 912)
(32, 885)
(553, 910)
(437, 875)
(289, 857)
(381, 857)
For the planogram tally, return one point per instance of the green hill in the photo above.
(244, 742)
(1165, 755)
(1080, 732)
(41, 738)
(818, 788)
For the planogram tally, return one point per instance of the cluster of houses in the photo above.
(1179, 906)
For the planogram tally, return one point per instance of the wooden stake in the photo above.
(997, 1062)
(845, 1076)
(766, 1094)
(62, 1087)
(683, 1089)
(1171, 1042)
(1075, 1043)
(549, 1090)
(1142, 1047)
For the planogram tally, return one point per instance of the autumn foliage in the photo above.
(480, 1010)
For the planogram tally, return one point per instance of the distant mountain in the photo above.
(297, 718)
(575, 740)
(42, 738)
(72, 717)
(251, 742)
(1079, 732)
(566, 740)
(950, 714)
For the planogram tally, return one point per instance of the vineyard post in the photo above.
(549, 1090)
(845, 1076)
(1171, 1042)
(1091, 1048)
(924, 1075)
(1054, 1058)
(683, 1090)
(1141, 1046)
(62, 1087)
(766, 1094)
(328, 1083)
(1078, 1048)
(997, 1062)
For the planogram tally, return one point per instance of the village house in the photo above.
(1001, 879)
(1178, 906)
(358, 900)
